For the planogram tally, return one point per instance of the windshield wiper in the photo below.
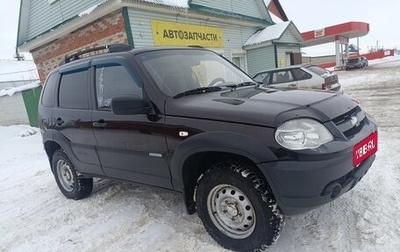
(201, 90)
(243, 84)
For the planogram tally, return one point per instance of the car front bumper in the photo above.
(302, 186)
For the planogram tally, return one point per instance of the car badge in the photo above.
(354, 121)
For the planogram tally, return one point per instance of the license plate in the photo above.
(365, 148)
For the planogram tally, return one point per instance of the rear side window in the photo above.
(300, 74)
(112, 81)
(73, 92)
(48, 97)
(317, 70)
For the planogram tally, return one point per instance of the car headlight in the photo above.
(301, 134)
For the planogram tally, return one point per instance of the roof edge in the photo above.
(297, 32)
(23, 7)
(70, 25)
(109, 7)
(276, 5)
(251, 42)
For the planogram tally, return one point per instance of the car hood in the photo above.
(258, 106)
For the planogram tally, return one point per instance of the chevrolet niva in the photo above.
(187, 120)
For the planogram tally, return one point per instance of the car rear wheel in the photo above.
(237, 207)
(68, 180)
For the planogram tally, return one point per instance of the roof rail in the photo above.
(195, 46)
(111, 49)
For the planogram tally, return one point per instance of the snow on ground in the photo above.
(35, 216)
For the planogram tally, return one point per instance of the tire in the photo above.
(68, 180)
(237, 207)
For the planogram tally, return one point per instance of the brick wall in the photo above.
(107, 30)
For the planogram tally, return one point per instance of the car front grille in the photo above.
(351, 123)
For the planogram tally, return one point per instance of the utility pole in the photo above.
(18, 56)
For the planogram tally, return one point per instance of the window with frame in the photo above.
(317, 70)
(263, 78)
(114, 80)
(48, 97)
(73, 91)
(282, 76)
(300, 74)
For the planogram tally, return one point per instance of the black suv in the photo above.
(188, 120)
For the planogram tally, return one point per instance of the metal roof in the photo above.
(273, 33)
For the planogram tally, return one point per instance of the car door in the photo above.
(72, 119)
(130, 147)
(283, 79)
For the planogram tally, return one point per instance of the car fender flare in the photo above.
(83, 168)
(62, 141)
(228, 142)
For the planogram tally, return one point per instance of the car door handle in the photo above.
(100, 124)
(59, 121)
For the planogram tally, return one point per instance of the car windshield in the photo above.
(179, 70)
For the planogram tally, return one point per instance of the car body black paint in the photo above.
(152, 148)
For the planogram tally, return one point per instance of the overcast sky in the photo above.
(310, 15)
(306, 14)
(9, 14)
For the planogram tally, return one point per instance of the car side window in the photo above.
(263, 77)
(48, 97)
(282, 76)
(73, 91)
(114, 80)
(299, 74)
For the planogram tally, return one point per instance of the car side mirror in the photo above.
(129, 105)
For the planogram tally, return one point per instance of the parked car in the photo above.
(242, 155)
(357, 62)
(305, 76)
(364, 61)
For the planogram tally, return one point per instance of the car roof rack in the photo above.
(111, 49)
(196, 46)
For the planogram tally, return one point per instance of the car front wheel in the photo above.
(237, 207)
(70, 184)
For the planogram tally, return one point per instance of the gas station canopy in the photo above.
(334, 33)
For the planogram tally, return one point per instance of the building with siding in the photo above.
(54, 28)
(279, 42)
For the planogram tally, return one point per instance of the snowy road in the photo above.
(35, 216)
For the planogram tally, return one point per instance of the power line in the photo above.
(30, 70)
(17, 81)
